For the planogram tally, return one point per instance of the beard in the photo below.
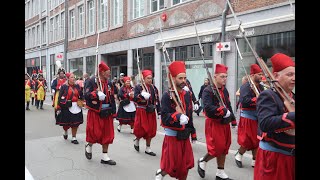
(181, 85)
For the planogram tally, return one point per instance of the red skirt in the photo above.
(247, 133)
(177, 157)
(99, 130)
(218, 137)
(145, 124)
(273, 166)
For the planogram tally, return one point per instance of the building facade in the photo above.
(126, 27)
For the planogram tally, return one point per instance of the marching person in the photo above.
(248, 125)
(177, 155)
(276, 121)
(99, 95)
(127, 109)
(33, 84)
(217, 126)
(27, 89)
(69, 113)
(56, 84)
(40, 87)
(145, 122)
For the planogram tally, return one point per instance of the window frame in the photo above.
(89, 10)
(158, 6)
(81, 28)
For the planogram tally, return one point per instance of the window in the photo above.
(174, 2)
(72, 25)
(91, 16)
(33, 37)
(76, 66)
(25, 39)
(38, 35)
(138, 8)
(25, 12)
(29, 10)
(62, 30)
(193, 51)
(49, 4)
(81, 21)
(32, 8)
(57, 28)
(90, 64)
(43, 5)
(103, 14)
(117, 12)
(29, 38)
(210, 50)
(156, 5)
(43, 32)
(51, 30)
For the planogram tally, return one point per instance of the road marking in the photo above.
(198, 142)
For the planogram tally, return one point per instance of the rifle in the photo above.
(171, 86)
(252, 84)
(98, 80)
(143, 84)
(212, 82)
(274, 84)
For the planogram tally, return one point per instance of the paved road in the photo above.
(50, 157)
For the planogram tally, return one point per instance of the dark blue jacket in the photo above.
(91, 96)
(273, 120)
(247, 97)
(212, 108)
(153, 99)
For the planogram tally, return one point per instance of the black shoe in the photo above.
(88, 155)
(41, 108)
(119, 128)
(150, 153)
(201, 172)
(110, 162)
(75, 142)
(27, 109)
(219, 178)
(136, 147)
(239, 163)
(65, 137)
(198, 114)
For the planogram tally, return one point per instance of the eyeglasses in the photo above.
(222, 77)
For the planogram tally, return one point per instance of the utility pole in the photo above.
(65, 34)
(223, 31)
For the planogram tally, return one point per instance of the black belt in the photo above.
(292, 151)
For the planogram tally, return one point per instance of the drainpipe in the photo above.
(65, 34)
(223, 31)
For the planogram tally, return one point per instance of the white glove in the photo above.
(53, 91)
(145, 95)
(227, 115)
(183, 119)
(186, 88)
(101, 95)
(195, 107)
(159, 116)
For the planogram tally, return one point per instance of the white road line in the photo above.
(198, 142)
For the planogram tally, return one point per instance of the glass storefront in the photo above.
(265, 46)
(146, 60)
(76, 67)
(196, 72)
(90, 65)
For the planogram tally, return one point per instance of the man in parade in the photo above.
(56, 84)
(40, 87)
(148, 106)
(99, 95)
(177, 156)
(276, 124)
(33, 85)
(127, 110)
(248, 125)
(217, 125)
(27, 89)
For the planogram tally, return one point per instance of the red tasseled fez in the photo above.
(254, 69)
(126, 78)
(103, 67)
(146, 73)
(177, 67)
(68, 75)
(220, 68)
(281, 61)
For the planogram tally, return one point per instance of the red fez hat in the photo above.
(220, 68)
(264, 78)
(146, 73)
(281, 61)
(254, 69)
(40, 71)
(34, 72)
(126, 78)
(68, 75)
(103, 67)
(177, 67)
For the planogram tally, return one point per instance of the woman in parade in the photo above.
(127, 109)
(69, 113)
